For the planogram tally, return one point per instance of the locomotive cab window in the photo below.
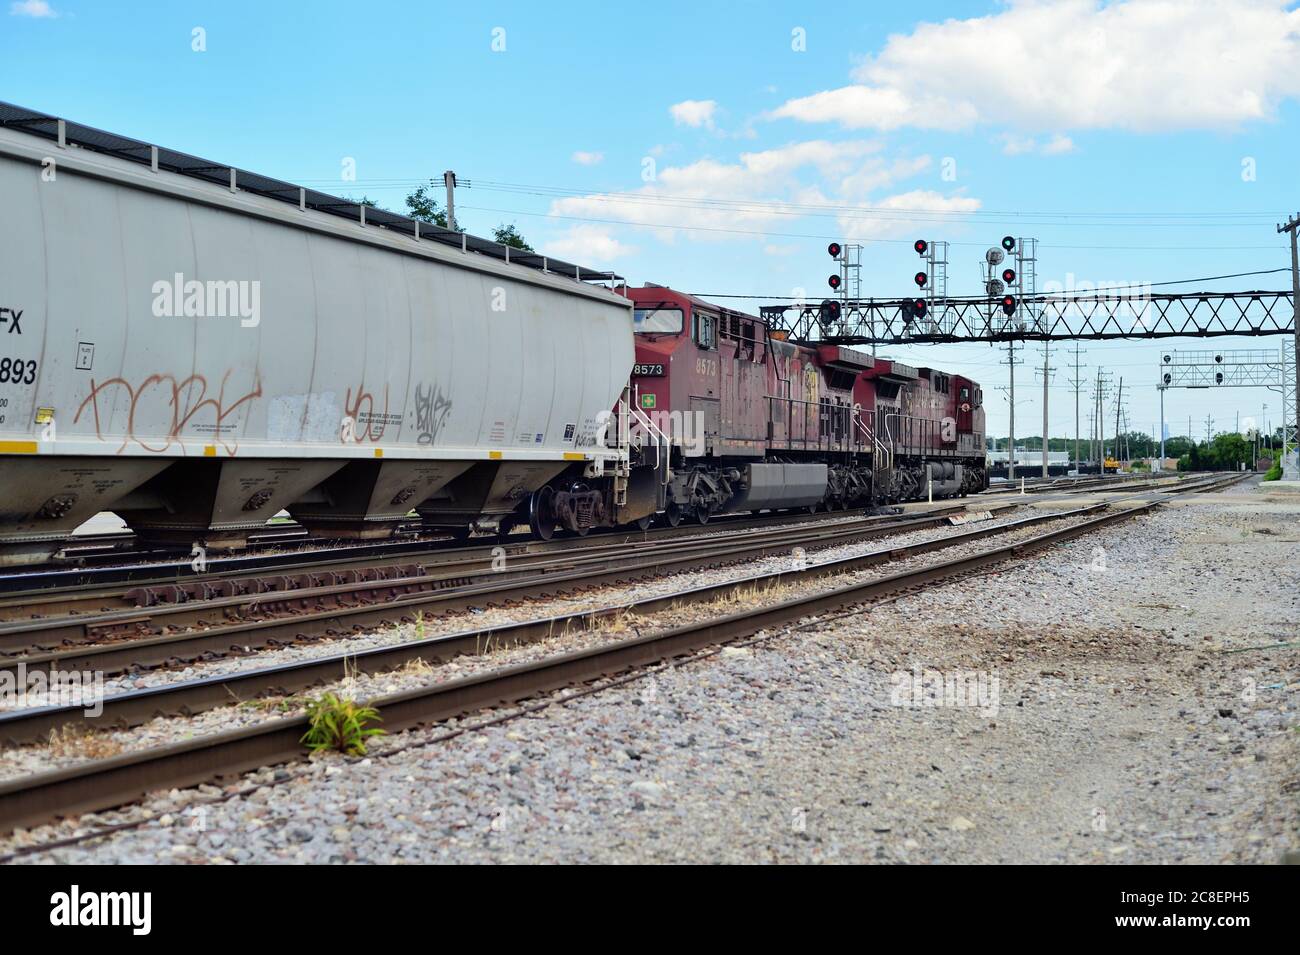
(665, 321)
(706, 330)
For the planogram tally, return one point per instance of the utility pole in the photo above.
(1209, 423)
(1293, 226)
(1047, 376)
(1118, 398)
(1077, 382)
(449, 180)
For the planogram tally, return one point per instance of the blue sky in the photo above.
(1137, 141)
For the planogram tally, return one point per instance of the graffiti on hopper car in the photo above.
(183, 403)
(370, 422)
(431, 410)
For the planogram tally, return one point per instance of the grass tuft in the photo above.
(339, 724)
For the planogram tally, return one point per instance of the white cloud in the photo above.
(763, 191)
(583, 158)
(1140, 65)
(694, 112)
(586, 245)
(1058, 145)
(869, 225)
(1020, 145)
(38, 9)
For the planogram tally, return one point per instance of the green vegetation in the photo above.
(1227, 452)
(1274, 473)
(422, 205)
(509, 235)
(340, 724)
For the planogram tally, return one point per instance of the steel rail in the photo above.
(138, 706)
(455, 585)
(107, 783)
(45, 580)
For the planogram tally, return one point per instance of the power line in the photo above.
(827, 237)
(785, 207)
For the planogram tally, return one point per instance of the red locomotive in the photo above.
(759, 422)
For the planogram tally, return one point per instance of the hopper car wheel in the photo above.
(812, 508)
(541, 513)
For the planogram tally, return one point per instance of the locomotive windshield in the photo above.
(661, 320)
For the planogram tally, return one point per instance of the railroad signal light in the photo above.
(920, 278)
(834, 281)
(834, 250)
(921, 246)
(1009, 276)
(829, 312)
(1168, 378)
(908, 309)
(1008, 304)
(1008, 243)
(1218, 377)
(918, 308)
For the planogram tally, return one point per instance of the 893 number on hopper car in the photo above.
(17, 371)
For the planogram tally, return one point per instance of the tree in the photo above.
(509, 235)
(423, 206)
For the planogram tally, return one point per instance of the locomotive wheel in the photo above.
(643, 523)
(812, 508)
(702, 515)
(673, 514)
(541, 513)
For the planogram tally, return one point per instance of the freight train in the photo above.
(197, 348)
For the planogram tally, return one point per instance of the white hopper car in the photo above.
(195, 348)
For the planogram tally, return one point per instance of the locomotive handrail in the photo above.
(822, 413)
(885, 453)
(662, 441)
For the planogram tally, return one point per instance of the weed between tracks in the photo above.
(77, 741)
(335, 723)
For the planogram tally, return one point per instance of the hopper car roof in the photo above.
(48, 127)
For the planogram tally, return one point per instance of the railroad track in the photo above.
(210, 617)
(102, 784)
(318, 553)
(111, 782)
(228, 625)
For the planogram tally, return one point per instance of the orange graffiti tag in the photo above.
(365, 430)
(185, 399)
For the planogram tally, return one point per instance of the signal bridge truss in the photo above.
(1237, 368)
(1096, 317)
